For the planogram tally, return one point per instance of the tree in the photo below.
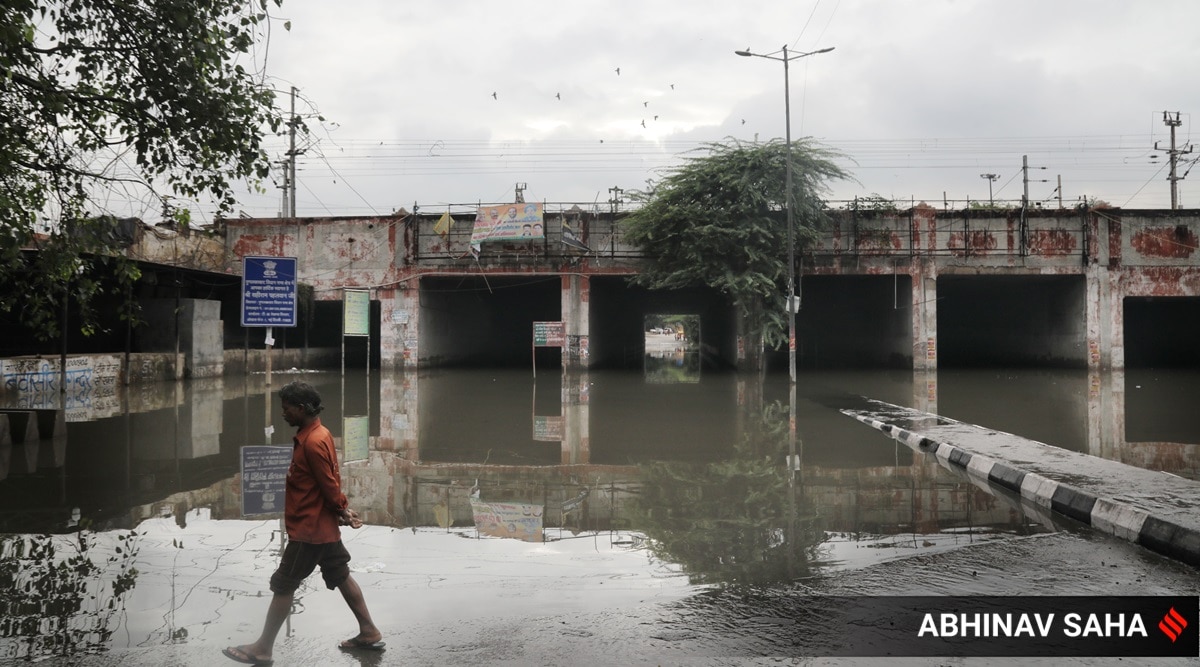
(103, 101)
(719, 220)
(736, 521)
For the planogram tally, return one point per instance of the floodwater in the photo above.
(154, 521)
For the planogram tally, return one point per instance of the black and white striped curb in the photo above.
(1120, 519)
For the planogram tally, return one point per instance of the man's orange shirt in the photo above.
(314, 487)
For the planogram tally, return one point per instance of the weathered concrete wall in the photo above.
(330, 253)
(201, 339)
(93, 382)
(1119, 253)
(241, 362)
(194, 250)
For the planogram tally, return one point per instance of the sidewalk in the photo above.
(1157, 510)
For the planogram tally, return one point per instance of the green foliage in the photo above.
(719, 220)
(987, 206)
(875, 203)
(738, 521)
(105, 100)
(54, 595)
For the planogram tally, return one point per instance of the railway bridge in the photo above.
(1095, 288)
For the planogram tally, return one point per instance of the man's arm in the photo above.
(322, 461)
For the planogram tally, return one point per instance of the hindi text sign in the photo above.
(268, 291)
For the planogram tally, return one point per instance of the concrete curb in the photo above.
(1123, 520)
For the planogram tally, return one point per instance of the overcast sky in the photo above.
(438, 103)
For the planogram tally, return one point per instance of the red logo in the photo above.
(1172, 624)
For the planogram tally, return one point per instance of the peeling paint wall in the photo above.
(1120, 254)
(195, 250)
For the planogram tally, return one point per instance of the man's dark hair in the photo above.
(303, 395)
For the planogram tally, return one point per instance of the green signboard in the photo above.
(356, 313)
(548, 334)
(356, 435)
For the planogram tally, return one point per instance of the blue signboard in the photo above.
(264, 478)
(268, 291)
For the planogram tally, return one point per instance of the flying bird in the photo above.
(743, 121)
(558, 96)
(494, 95)
(645, 104)
(618, 71)
(672, 86)
(643, 122)
(656, 118)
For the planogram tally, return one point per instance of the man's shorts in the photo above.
(301, 558)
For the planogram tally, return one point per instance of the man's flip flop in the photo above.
(239, 654)
(356, 644)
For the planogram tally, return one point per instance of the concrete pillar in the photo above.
(1105, 319)
(925, 390)
(399, 420)
(924, 321)
(404, 326)
(576, 444)
(1106, 414)
(201, 341)
(1115, 291)
(576, 297)
(395, 321)
(1100, 301)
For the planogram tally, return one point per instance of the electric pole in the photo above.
(292, 158)
(1174, 153)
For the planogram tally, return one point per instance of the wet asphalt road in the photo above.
(712, 626)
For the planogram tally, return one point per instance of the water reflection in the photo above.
(699, 470)
(63, 594)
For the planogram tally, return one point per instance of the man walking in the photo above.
(314, 508)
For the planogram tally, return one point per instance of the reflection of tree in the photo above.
(735, 521)
(55, 600)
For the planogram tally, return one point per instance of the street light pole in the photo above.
(991, 178)
(791, 273)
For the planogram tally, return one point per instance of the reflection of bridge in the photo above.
(183, 452)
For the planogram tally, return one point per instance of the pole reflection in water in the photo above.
(706, 475)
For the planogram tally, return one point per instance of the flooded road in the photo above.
(665, 499)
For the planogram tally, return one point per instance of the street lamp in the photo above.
(787, 113)
(991, 178)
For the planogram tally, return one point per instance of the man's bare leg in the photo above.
(277, 613)
(367, 632)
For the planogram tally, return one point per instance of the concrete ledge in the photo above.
(1176, 536)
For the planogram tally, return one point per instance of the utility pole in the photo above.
(1025, 201)
(991, 178)
(292, 158)
(1174, 153)
(284, 189)
(614, 200)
